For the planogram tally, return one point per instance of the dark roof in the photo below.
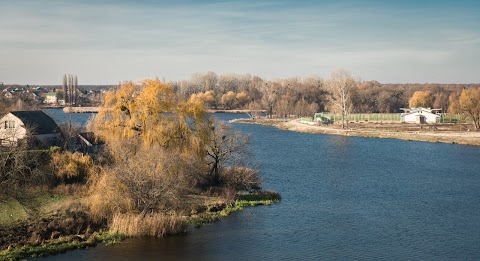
(37, 121)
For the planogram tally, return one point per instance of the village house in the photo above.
(51, 98)
(420, 115)
(18, 125)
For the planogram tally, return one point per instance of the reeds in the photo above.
(155, 224)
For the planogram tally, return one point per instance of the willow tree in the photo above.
(150, 113)
(157, 144)
(161, 149)
(340, 85)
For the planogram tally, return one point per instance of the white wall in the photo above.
(429, 117)
(12, 134)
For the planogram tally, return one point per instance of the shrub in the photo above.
(240, 178)
(107, 195)
(71, 167)
(20, 169)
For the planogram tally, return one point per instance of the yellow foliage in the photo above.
(228, 99)
(421, 99)
(71, 166)
(207, 97)
(453, 106)
(107, 195)
(148, 111)
(469, 104)
(242, 98)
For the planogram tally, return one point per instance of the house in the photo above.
(17, 125)
(51, 98)
(420, 115)
(8, 95)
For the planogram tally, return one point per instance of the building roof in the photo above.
(37, 121)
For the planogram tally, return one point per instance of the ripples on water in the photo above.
(343, 198)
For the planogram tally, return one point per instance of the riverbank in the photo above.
(59, 222)
(444, 133)
(81, 109)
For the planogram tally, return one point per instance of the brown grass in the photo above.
(156, 225)
(107, 195)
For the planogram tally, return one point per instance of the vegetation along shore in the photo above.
(160, 166)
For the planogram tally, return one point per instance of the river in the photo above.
(342, 198)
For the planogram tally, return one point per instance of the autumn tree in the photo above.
(242, 99)
(340, 85)
(469, 105)
(421, 99)
(158, 149)
(208, 97)
(228, 100)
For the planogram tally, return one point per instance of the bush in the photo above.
(240, 178)
(71, 167)
(107, 196)
(20, 169)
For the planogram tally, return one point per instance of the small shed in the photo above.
(420, 115)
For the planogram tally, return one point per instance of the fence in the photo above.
(385, 117)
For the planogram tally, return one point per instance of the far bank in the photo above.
(445, 133)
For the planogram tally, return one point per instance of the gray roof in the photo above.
(37, 122)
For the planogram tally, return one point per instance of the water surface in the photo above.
(343, 198)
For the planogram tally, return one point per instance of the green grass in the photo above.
(11, 210)
(60, 245)
(213, 213)
(23, 207)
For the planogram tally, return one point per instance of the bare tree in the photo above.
(270, 96)
(75, 87)
(340, 84)
(64, 88)
(226, 148)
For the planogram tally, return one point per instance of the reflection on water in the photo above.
(343, 198)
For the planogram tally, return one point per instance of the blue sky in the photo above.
(105, 42)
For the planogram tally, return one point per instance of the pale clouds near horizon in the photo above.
(104, 43)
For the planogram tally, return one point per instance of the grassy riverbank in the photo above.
(444, 133)
(59, 223)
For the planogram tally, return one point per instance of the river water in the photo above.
(343, 198)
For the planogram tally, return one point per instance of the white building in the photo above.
(15, 126)
(420, 115)
(51, 98)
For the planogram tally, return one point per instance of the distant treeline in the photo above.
(305, 96)
(300, 96)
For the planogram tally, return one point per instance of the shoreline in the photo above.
(436, 133)
(45, 234)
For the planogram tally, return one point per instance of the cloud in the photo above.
(271, 38)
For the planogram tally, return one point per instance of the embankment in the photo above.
(63, 229)
(80, 109)
(444, 133)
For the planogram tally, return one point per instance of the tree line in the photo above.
(341, 92)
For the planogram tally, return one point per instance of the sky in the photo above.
(107, 42)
